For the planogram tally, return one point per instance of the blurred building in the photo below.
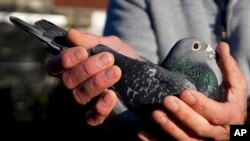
(87, 15)
(28, 96)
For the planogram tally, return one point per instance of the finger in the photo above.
(170, 126)
(66, 60)
(117, 44)
(96, 85)
(145, 136)
(87, 69)
(89, 41)
(215, 112)
(185, 115)
(85, 40)
(236, 83)
(228, 65)
(101, 110)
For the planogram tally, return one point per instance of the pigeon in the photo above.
(185, 67)
(190, 64)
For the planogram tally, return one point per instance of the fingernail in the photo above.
(190, 99)
(173, 106)
(110, 73)
(79, 54)
(105, 59)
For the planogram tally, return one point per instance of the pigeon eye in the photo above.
(196, 46)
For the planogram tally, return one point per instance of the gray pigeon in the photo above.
(189, 65)
(185, 67)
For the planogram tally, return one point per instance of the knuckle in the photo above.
(184, 116)
(169, 128)
(114, 38)
(65, 61)
(67, 80)
(101, 112)
(86, 69)
(93, 118)
(200, 107)
(224, 134)
(221, 116)
(79, 97)
(217, 120)
(97, 83)
(202, 131)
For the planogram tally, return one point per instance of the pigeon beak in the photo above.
(210, 51)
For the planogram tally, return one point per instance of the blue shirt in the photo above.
(153, 26)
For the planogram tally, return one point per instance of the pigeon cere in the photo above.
(189, 65)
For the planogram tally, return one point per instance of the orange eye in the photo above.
(196, 46)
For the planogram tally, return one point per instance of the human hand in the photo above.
(193, 116)
(90, 76)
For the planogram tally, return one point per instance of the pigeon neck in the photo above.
(203, 76)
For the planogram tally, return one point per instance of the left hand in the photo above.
(90, 76)
(196, 117)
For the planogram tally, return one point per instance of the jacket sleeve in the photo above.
(130, 21)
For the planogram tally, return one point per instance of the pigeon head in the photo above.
(189, 51)
(195, 59)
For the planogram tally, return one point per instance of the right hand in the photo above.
(89, 76)
(194, 116)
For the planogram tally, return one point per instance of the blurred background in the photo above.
(29, 98)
